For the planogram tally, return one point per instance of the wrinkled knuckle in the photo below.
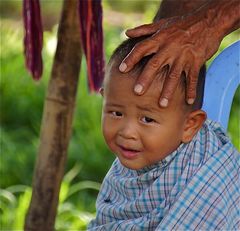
(135, 53)
(145, 78)
(133, 56)
(192, 90)
(139, 47)
(174, 76)
(154, 64)
(193, 81)
(155, 39)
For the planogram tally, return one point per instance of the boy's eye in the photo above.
(116, 113)
(146, 119)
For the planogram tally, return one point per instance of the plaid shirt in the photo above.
(197, 187)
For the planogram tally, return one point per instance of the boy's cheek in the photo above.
(109, 140)
(110, 129)
(106, 129)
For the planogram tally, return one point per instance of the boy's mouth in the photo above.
(129, 153)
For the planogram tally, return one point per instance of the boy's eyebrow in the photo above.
(114, 105)
(157, 111)
(148, 108)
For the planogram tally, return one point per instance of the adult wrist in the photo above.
(222, 17)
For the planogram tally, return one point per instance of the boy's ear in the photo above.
(193, 124)
(101, 91)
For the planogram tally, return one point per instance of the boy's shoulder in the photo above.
(215, 138)
(194, 182)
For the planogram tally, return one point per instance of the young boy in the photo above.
(174, 169)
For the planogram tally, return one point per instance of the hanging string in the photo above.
(33, 37)
(90, 15)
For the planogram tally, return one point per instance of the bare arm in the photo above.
(183, 42)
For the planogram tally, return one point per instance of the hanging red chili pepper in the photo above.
(90, 15)
(33, 38)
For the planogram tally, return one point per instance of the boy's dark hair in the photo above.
(125, 47)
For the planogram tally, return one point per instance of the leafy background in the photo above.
(21, 107)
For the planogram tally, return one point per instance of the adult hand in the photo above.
(183, 44)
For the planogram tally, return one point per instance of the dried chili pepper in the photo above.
(90, 15)
(33, 38)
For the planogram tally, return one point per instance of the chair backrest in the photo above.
(222, 80)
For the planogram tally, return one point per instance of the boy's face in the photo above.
(135, 128)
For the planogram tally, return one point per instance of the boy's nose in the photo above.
(128, 131)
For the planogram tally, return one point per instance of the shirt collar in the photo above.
(162, 163)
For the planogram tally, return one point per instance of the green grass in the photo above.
(14, 202)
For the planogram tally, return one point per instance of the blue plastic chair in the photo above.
(222, 80)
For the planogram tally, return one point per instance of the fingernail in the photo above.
(138, 88)
(190, 101)
(164, 102)
(122, 67)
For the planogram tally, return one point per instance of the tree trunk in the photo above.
(56, 123)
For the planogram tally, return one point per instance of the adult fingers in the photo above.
(192, 80)
(145, 29)
(170, 84)
(140, 50)
(149, 73)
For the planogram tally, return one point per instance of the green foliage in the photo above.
(135, 6)
(14, 202)
(234, 124)
(22, 102)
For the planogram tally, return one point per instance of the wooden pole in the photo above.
(56, 123)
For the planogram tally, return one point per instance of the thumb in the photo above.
(146, 29)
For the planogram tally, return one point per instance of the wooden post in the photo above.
(56, 123)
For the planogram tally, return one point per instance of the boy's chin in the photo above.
(133, 165)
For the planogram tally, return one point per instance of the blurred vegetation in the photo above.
(21, 108)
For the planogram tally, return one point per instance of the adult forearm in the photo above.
(222, 15)
(212, 20)
(172, 8)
